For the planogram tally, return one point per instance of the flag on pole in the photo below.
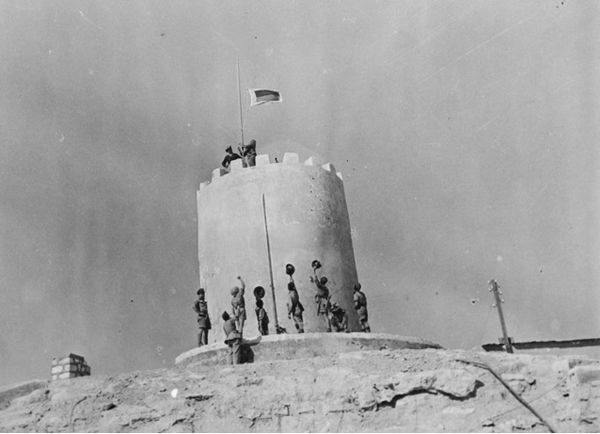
(263, 96)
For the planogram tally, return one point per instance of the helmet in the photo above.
(259, 292)
(235, 290)
(315, 264)
(324, 280)
(200, 291)
(289, 269)
(357, 287)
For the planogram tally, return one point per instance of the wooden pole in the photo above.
(270, 265)
(494, 289)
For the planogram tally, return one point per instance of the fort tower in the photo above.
(307, 219)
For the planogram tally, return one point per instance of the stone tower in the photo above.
(307, 219)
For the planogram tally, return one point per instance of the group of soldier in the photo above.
(247, 153)
(331, 316)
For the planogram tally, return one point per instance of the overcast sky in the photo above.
(467, 133)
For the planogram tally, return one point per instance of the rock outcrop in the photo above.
(375, 390)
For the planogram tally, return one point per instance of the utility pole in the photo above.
(494, 289)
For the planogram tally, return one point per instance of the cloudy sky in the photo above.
(467, 133)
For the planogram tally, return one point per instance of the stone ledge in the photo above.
(305, 345)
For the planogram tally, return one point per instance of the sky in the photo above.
(467, 134)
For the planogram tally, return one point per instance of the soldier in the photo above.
(249, 154)
(360, 304)
(201, 308)
(339, 319)
(233, 339)
(229, 157)
(295, 308)
(322, 300)
(239, 305)
(262, 318)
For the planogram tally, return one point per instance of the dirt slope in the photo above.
(401, 390)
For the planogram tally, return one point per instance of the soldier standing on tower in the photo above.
(249, 153)
(262, 318)
(360, 304)
(322, 295)
(239, 305)
(295, 308)
(201, 308)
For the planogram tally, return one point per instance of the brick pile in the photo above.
(69, 367)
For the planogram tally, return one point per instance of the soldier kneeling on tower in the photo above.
(201, 309)
(339, 319)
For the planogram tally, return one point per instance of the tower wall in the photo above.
(307, 219)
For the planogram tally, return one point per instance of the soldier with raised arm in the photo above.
(295, 308)
(238, 305)
(322, 295)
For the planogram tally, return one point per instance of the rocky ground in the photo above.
(400, 390)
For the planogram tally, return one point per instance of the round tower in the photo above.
(307, 219)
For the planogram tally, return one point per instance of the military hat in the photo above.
(315, 264)
(228, 149)
(324, 280)
(357, 287)
(289, 269)
(235, 290)
(259, 292)
(200, 291)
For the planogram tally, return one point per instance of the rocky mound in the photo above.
(387, 390)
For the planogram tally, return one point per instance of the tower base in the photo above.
(305, 345)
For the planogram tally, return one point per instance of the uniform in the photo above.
(339, 319)
(233, 339)
(201, 308)
(322, 301)
(238, 305)
(229, 157)
(249, 154)
(295, 308)
(360, 304)
(263, 320)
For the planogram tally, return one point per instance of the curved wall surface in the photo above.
(307, 219)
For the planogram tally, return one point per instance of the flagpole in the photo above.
(270, 265)
(240, 100)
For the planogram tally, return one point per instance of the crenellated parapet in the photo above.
(262, 160)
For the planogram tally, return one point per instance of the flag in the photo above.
(263, 96)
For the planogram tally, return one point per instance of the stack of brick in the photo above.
(69, 367)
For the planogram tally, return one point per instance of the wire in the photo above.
(512, 392)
